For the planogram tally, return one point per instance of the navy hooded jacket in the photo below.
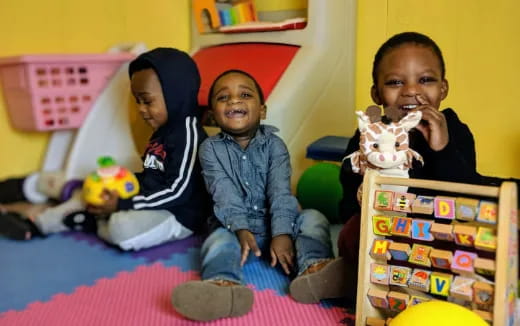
(171, 178)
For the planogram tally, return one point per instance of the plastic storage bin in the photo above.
(54, 92)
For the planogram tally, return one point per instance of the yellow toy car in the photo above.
(111, 177)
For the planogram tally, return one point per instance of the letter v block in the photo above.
(440, 283)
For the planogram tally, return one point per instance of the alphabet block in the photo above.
(441, 258)
(420, 280)
(442, 231)
(465, 235)
(400, 251)
(379, 250)
(401, 226)
(466, 208)
(440, 283)
(444, 207)
(484, 266)
(421, 230)
(463, 262)
(486, 315)
(403, 202)
(381, 224)
(423, 205)
(399, 275)
(377, 298)
(416, 300)
(488, 212)
(397, 301)
(420, 255)
(462, 288)
(483, 294)
(384, 200)
(379, 274)
(486, 239)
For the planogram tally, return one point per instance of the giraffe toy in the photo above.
(385, 146)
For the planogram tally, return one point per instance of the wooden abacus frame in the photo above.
(505, 255)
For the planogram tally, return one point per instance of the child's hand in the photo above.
(110, 200)
(282, 251)
(247, 243)
(433, 125)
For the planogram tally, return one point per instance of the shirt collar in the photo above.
(263, 132)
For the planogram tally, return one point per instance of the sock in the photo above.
(51, 220)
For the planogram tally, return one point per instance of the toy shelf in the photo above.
(503, 284)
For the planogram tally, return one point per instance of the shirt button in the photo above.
(255, 207)
(229, 226)
(244, 157)
(247, 183)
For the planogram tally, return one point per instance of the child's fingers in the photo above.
(274, 259)
(254, 247)
(285, 264)
(245, 253)
(422, 100)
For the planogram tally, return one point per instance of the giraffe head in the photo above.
(385, 146)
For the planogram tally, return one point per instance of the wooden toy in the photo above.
(487, 212)
(442, 231)
(466, 208)
(440, 283)
(401, 226)
(441, 258)
(420, 255)
(486, 239)
(399, 275)
(397, 301)
(378, 298)
(384, 200)
(403, 202)
(450, 284)
(414, 299)
(420, 280)
(375, 322)
(483, 294)
(208, 6)
(423, 205)
(465, 234)
(381, 224)
(379, 274)
(462, 288)
(380, 250)
(486, 315)
(444, 207)
(421, 230)
(484, 266)
(399, 251)
(463, 262)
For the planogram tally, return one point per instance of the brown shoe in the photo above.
(205, 300)
(331, 281)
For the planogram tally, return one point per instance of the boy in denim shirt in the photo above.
(247, 171)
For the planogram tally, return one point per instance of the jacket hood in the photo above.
(180, 82)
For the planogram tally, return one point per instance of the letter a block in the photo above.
(440, 283)
(381, 224)
(444, 207)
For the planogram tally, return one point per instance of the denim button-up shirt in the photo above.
(250, 187)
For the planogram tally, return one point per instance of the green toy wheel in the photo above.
(319, 188)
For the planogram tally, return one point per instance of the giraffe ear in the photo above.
(411, 120)
(363, 120)
(374, 113)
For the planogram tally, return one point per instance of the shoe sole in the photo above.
(15, 227)
(332, 281)
(205, 301)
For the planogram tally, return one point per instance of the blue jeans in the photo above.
(221, 250)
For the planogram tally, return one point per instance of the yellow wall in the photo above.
(65, 26)
(480, 40)
(481, 44)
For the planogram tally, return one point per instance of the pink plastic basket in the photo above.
(53, 92)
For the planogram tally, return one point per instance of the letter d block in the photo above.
(444, 207)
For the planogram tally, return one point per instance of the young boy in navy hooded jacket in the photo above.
(172, 202)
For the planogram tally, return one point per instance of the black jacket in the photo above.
(455, 163)
(172, 178)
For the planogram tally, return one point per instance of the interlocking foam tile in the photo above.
(152, 254)
(36, 269)
(142, 297)
(185, 261)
